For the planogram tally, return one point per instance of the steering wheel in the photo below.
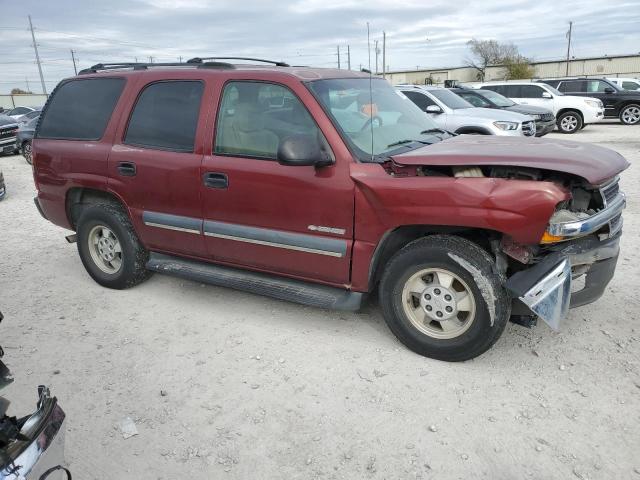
(369, 122)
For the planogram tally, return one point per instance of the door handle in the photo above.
(215, 180)
(127, 169)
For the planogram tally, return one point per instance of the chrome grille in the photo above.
(545, 117)
(529, 128)
(610, 191)
(8, 132)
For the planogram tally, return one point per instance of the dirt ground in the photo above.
(224, 384)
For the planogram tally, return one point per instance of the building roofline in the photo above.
(630, 55)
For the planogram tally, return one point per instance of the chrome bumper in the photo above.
(609, 215)
(30, 460)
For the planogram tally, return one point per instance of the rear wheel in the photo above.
(441, 298)
(630, 114)
(570, 122)
(109, 248)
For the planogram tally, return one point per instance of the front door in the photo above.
(291, 220)
(154, 166)
(611, 101)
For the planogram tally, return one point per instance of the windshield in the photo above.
(376, 121)
(450, 99)
(496, 98)
(553, 90)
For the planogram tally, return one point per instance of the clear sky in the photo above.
(425, 33)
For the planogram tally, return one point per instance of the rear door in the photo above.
(154, 165)
(290, 220)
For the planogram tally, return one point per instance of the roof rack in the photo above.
(144, 66)
(202, 59)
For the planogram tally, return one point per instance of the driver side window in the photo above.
(420, 99)
(255, 117)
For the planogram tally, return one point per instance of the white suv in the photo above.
(455, 114)
(626, 83)
(572, 112)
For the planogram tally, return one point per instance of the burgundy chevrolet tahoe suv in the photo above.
(320, 186)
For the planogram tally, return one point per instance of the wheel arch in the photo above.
(562, 111)
(78, 197)
(394, 240)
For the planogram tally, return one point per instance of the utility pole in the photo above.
(35, 48)
(73, 59)
(348, 57)
(150, 59)
(384, 55)
(136, 58)
(568, 46)
(377, 52)
(338, 57)
(26, 79)
(180, 58)
(369, 50)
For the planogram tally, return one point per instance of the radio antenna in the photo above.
(370, 90)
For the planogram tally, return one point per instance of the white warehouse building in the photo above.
(607, 66)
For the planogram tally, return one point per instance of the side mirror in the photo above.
(433, 109)
(609, 90)
(303, 150)
(546, 95)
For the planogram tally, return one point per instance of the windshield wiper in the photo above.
(400, 142)
(432, 130)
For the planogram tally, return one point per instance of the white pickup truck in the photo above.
(572, 112)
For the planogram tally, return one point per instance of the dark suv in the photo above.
(320, 186)
(618, 103)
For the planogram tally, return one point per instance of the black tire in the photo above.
(630, 114)
(133, 257)
(470, 263)
(26, 152)
(569, 122)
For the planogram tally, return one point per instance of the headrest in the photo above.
(248, 117)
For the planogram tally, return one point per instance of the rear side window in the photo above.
(531, 91)
(80, 109)
(166, 116)
(512, 91)
(574, 86)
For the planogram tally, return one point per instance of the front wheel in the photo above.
(109, 248)
(569, 122)
(630, 115)
(442, 298)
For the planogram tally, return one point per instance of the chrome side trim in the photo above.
(331, 247)
(172, 222)
(171, 227)
(591, 224)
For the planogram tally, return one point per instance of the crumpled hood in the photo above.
(591, 162)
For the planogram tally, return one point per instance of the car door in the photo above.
(533, 95)
(610, 100)
(154, 165)
(260, 214)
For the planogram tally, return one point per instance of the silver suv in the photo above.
(455, 114)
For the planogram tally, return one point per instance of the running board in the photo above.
(281, 288)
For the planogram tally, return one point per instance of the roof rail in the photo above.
(144, 66)
(201, 59)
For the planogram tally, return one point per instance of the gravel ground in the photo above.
(224, 384)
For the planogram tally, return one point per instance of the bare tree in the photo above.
(489, 52)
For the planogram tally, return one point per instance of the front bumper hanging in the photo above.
(545, 288)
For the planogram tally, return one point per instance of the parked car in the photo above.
(625, 83)
(31, 446)
(34, 114)
(319, 187)
(544, 118)
(572, 113)
(24, 138)
(18, 112)
(455, 114)
(8, 130)
(618, 103)
(3, 188)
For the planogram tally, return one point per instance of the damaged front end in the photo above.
(32, 446)
(576, 257)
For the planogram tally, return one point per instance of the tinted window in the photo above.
(512, 91)
(166, 116)
(19, 111)
(450, 99)
(595, 86)
(420, 99)
(530, 91)
(495, 88)
(631, 85)
(80, 109)
(255, 117)
(573, 86)
(33, 114)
